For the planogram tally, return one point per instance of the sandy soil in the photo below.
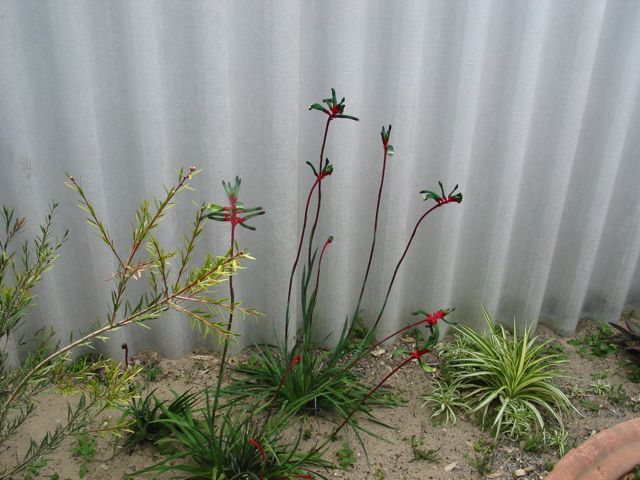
(393, 459)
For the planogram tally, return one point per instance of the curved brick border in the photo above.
(606, 456)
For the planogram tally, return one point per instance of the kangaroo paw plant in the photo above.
(324, 381)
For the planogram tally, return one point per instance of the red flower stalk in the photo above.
(426, 195)
(314, 296)
(260, 449)
(304, 476)
(416, 354)
(387, 151)
(324, 172)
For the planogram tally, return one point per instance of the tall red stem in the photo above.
(314, 296)
(416, 354)
(375, 230)
(404, 254)
(315, 221)
(317, 183)
(295, 263)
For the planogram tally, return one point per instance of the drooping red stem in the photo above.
(404, 254)
(326, 244)
(375, 230)
(292, 364)
(348, 365)
(415, 354)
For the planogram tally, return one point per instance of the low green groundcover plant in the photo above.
(509, 380)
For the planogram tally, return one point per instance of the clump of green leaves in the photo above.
(599, 344)
(446, 402)
(84, 449)
(228, 443)
(151, 373)
(557, 439)
(508, 379)
(346, 457)
(142, 416)
(420, 453)
(481, 459)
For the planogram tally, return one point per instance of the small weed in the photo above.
(634, 373)
(378, 472)
(85, 450)
(151, 373)
(589, 405)
(482, 458)
(358, 333)
(558, 439)
(618, 395)
(391, 398)
(346, 457)
(423, 454)
(636, 473)
(55, 476)
(600, 375)
(33, 470)
(446, 402)
(600, 387)
(554, 348)
(533, 443)
(599, 344)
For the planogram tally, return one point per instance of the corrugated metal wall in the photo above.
(531, 106)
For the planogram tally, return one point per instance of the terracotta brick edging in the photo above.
(609, 455)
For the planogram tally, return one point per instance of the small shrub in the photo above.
(558, 439)
(142, 416)
(589, 405)
(508, 379)
(378, 472)
(446, 402)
